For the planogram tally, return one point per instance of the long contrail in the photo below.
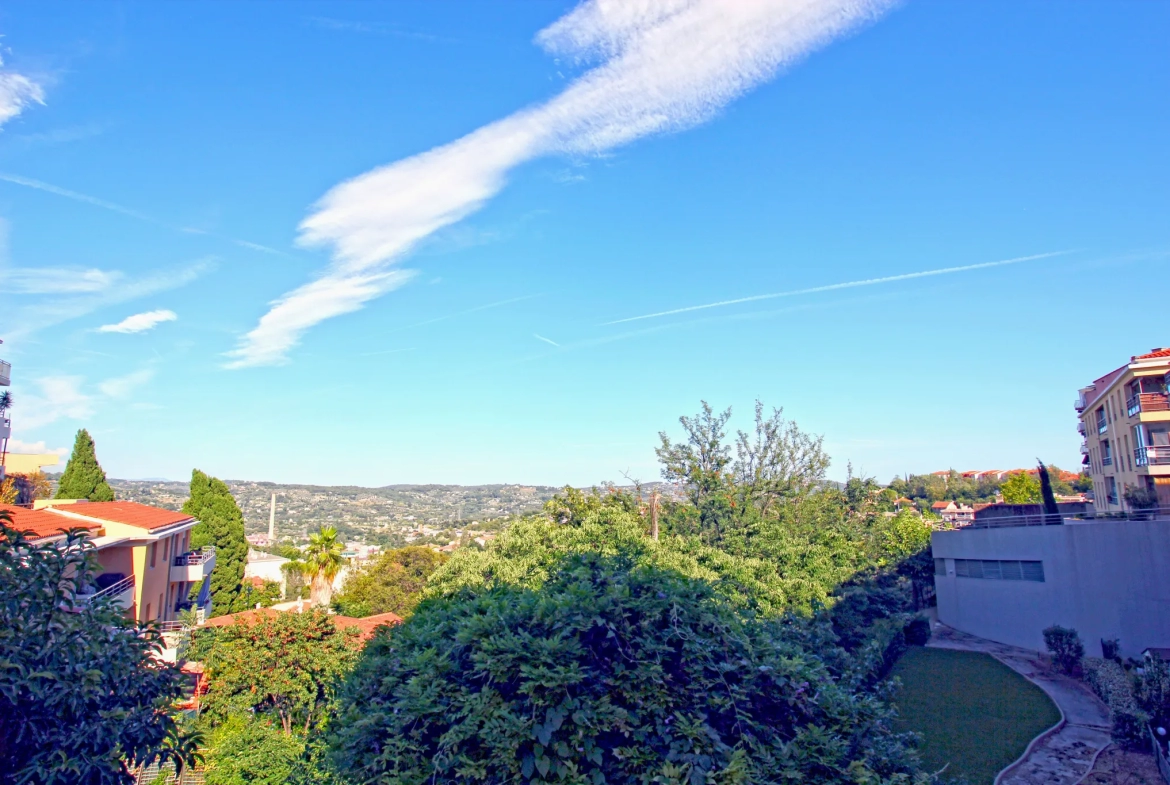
(835, 286)
(28, 182)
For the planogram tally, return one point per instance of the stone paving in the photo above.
(1065, 755)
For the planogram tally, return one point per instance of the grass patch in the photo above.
(973, 712)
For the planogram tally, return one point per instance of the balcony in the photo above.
(1081, 428)
(1084, 449)
(1147, 402)
(121, 591)
(1152, 456)
(5, 373)
(1080, 403)
(193, 566)
(5, 427)
(1107, 460)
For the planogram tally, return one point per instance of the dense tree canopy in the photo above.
(81, 698)
(83, 477)
(287, 667)
(220, 524)
(613, 670)
(391, 583)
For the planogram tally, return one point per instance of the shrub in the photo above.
(1111, 649)
(917, 631)
(1066, 648)
(1114, 686)
(612, 670)
(1153, 688)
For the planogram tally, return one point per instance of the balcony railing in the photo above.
(1152, 456)
(1102, 426)
(1147, 402)
(1081, 428)
(5, 374)
(1084, 449)
(201, 556)
(113, 590)
(1079, 405)
(1107, 460)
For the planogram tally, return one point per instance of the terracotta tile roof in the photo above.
(248, 617)
(43, 524)
(367, 625)
(1156, 354)
(130, 513)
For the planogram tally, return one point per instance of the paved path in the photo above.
(1065, 755)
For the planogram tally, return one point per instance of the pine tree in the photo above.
(220, 524)
(83, 477)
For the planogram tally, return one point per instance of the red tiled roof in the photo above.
(366, 626)
(940, 505)
(142, 516)
(1156, 354)
(42, 523)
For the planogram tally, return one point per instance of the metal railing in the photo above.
(1079, 405)
(113, 590)
(1146, 402)
(1055, 519)
(1107, 460)
(1081, 428)
(1151, 456)
(5, 373)
(201, 556)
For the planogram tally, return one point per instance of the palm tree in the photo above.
(323, 560)
(5, 402)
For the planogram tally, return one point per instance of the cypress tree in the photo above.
(220, 524)
(1050, 509)
(83, 477)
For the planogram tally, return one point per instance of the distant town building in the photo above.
(266, 567)
(954, 513)
(1125, 423)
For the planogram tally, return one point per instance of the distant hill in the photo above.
(352, 509)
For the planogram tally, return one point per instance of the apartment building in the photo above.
(146, 562)
(1125, 422)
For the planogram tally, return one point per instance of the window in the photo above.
(998, 570)
(1106, 453)
(153, 554)
(1101, 424)
(161, 607)
(147, 617)
(166, 548)
(940, 566)
(1111, 490)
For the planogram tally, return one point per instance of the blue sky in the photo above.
(377, 243)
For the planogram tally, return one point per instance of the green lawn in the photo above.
(972, 711)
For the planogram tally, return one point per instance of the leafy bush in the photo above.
(613, 670)
(82, 698)
(1152, 689)
(1114, 687)
(1111, 649)
(246, 750)
(917, 631)
(1066, 648)
(529, 551)
(391, 583)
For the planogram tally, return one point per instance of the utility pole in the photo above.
(654, 514)
(272, 521)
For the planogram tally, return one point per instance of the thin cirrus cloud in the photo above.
(836, 286)
(56, 397)
(57, 280)
(17, 92)
(657, 66)
(140, 322)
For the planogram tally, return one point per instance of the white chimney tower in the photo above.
(272, 521)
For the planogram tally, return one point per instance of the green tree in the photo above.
(82, 698)
(247, 751)
(612, 671)
(391, 583)
(220, 524)
(83, 477)
(287, 667)
(323, 560)
(1020, 488)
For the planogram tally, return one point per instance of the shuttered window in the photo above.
(940, 566)
(1000, 569)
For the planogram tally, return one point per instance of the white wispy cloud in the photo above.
(140, 322)
(17, 92)
(659, 66)
(120, 387)
(374, 28)
(38, 185)
(35, 448)
(57, 280)
(546, 340)
(25, 320)
(835, 286)
(57, 397)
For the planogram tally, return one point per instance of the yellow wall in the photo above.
(24, 463)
